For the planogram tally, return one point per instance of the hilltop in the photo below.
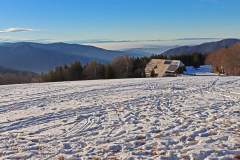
(204, 48)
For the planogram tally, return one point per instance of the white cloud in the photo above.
(10, 30)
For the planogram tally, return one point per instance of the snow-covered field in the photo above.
(166, 118)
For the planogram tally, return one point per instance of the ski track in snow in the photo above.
(163, 118)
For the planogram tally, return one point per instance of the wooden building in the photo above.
(163, 68)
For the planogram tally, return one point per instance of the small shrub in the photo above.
(61, 158)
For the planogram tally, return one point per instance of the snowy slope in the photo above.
(177, 118)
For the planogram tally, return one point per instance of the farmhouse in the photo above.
(162, 68)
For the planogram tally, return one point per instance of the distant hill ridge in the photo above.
(204, 48)
(37, 57)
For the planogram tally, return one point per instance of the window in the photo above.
(167, 62)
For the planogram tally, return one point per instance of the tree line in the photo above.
(120, 67)
(194, 59)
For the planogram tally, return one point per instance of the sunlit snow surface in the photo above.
(166, 118)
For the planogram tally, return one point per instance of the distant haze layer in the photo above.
(128, 44)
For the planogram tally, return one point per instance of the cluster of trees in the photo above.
(64, 73)
(17, 78)
(120, 67)
(226, 60)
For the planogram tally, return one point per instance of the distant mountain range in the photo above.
(202, 48)
(38, 57)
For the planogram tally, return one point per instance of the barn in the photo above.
(163, 68)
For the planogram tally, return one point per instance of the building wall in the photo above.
(161, 68)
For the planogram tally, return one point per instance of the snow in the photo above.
(200, 71)
(158, 118)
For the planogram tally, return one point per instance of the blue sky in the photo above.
(114, 20)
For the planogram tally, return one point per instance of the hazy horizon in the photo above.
(117, 24)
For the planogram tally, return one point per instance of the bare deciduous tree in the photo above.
(226, 60)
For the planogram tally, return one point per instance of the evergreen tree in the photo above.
(109, 73)
(75, 71)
